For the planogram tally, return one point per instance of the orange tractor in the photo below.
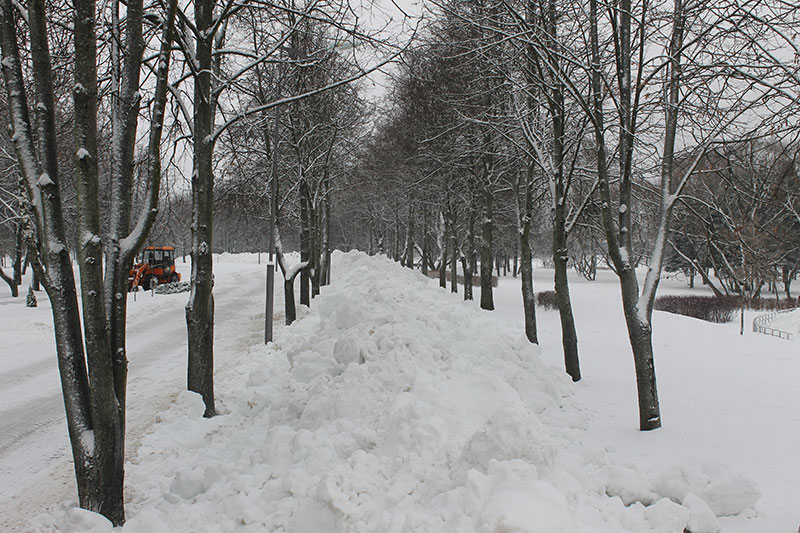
(156, 264)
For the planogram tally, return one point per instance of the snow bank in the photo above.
(392, 406)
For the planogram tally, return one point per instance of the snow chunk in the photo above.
(623, 209)
(530, 507)
(510, 432)
(627, 483)
(45, 180)
(313, 517)
(70, 517)
(190, 483)
(341, 310)
(667, 516)
(91, 238)
(188, 404)
(309, 364)
(83, 153)
(87, 440)
(725, 492)
(701, 517)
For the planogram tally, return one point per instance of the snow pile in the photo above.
(173, 288)
(394, 407)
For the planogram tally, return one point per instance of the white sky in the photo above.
(400, 18)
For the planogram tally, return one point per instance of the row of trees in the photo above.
(740, 220)
(166, 88)
(596, 121)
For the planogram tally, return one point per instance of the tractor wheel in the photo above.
(148, 282)
(174, 278)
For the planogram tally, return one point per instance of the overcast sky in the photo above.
(400, 18)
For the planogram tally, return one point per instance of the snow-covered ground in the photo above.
(788, 321)
(394, 406)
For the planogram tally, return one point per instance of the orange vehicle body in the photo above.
(155, 263)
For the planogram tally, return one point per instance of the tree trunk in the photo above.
(288, 297)
(410, 238)
(325, 267)
(305, 242)
(443, 239)
(787, 274)
(569, 338)
(487, 300)
(11, 283)
(453, 257)
(425, 241)
(526, 257)
(640, 335)
(17, 265)
(396, 251)
(200, 309)
(467, 268)
(528, 296)
(35, 280)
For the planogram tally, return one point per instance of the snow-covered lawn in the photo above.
(394, 406)
(787, 321)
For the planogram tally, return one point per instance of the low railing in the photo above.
(761, 325)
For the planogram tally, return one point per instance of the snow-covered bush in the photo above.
(547, 300)
(709, 308)
(174, 288)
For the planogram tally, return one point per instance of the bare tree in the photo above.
(93, 378)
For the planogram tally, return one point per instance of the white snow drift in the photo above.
(390, 407)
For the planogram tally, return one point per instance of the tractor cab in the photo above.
(155, 265)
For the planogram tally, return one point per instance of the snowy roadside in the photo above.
(35, 462)
(392, 406)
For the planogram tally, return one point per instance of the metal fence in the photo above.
(761, 325)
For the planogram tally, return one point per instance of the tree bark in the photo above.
(528, 296)
(410, 237)
(526, 257)
(569, 337)
(11, 283)
(425, 241)
(200, 308)
(487, 300)
(288, 297)
(453, 254)
(305, 242)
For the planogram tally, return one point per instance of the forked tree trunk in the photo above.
(95, 414)
(618, 234)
